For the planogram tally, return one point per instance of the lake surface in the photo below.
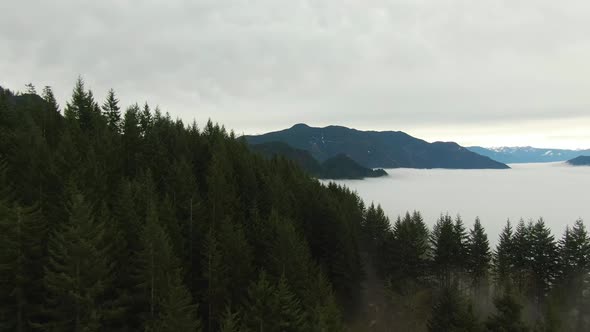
(555, 191)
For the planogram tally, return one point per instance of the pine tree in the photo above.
(574, 271)
(290, 312)
(451, 313)
(145, 120)
(507, 317)
(30, 89)
(112, 111)
(445, 250)
(79, 109)
(545, 260)
(49, 98)
(78, 273)
(503, 257)
(155, 262)
(411, 249)
(177, 311)
(461, 238)
(231, 322)
(479, 256)
(262, 308)
(522, 255)
(131, 141)
(22, 238)
(216, 276)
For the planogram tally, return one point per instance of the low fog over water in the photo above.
(555, 191)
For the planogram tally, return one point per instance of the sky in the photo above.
(490, 73)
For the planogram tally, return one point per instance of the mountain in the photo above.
(343, 167)
(374, 149)
(527, 154)
(580, 161)
(338, 167)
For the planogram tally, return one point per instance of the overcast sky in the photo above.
(513, 72)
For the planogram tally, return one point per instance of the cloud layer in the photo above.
(444, 69)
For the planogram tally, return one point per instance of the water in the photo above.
(555, 191)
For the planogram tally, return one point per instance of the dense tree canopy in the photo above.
(134, 221)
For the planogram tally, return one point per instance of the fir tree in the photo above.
(290, 312)
(177, 311)
(451, 313)
(79, 272)
(262, 307)
(503, 257)
(22, 238)
(155, 262)
(545, 256)
(112, 112)
(507, 317)
(479, 256)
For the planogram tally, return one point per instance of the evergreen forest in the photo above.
(123, 218)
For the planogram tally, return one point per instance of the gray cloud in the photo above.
(266, 64)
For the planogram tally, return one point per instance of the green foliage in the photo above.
(478, 253)
(112, 111)
(79, 272)
(503, 257)
(22, 239)
(166, 226)
(178, 313)
(507, 317)
(451, 313)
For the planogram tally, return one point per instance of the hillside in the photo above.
(580, 161)
(129, 220)
(373, 149)
(527, 154)
(338, 167)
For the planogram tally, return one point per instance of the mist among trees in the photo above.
(118, 218)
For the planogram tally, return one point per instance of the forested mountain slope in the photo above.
(337, 167)
(374, 149)
(132, 221)
(117, 221)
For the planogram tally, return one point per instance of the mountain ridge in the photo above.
(579, 161)
(528, 154)
(337, 167)
(377, 149)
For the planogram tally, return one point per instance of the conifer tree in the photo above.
(574, 281)
(49, 98)
(22, 238)
(507, 317)
(155, 262)
(30, 89)
(79, 109)
(112, 112)
(262, 307)
(479, 256)
(79, 272)
(410, 256)
(545, 260)
(451, 313)
(503, 257)
(231, 322)
(522, 255)
(290, 317)
(216, 276)
(177, 311)
(445, 249)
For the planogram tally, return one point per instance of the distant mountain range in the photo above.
(580, 161)
(374, 149)
(513, 155)
(337, 167)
